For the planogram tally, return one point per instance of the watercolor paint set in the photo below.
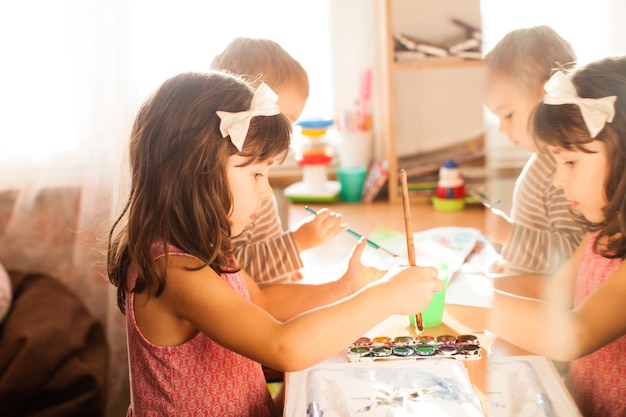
(463, 347)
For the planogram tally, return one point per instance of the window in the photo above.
(586, 25)
(75, 71)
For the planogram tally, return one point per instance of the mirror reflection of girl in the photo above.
(198, 326)
(540, 234)
(581, 122)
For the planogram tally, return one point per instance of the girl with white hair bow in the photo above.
(199, 327)
(581, 318)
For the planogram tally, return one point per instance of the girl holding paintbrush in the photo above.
(199, 327)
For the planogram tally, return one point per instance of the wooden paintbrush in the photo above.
(410, 245)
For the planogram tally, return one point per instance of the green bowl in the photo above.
(448, 204)
(313, 199)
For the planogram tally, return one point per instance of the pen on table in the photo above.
(543, 402)
(492, 204)
(408, 228)
(358, 236)
(484, 199)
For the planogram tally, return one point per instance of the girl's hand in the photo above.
(319, 229)
(498, 226)
(358, 275)
(296, 276)
(409, 288)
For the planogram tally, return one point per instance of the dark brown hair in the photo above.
(563, 126)
(179, 192)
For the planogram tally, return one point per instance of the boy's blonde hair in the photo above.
(529, 56)
(262, 60)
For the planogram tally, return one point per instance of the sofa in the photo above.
(53, 353)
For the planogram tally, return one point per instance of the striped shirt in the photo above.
(544, 232)
(264, 250)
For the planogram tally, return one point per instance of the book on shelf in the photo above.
(375, 181)
(416, 56)
(413, 44)
(423, 169)
(464, 153)
(423, 183)
(467, 46)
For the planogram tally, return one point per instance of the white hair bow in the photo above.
(236, 125)
(596, 112)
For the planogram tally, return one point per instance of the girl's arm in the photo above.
(284, 301)
(551, 328)
(558, 288)
(201, 300)
(601, 317)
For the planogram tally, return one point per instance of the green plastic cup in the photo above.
(432, 316)
(351, 180)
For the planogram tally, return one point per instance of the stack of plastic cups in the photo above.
(355, 153)
(313, 152)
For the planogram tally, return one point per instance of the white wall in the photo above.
(435, 107)
(353, 51)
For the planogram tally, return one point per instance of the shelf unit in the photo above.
(430, 21)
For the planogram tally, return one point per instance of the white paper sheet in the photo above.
(434, 388)
(471, 279)
(519, 386)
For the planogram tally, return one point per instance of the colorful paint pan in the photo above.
(381, 340)
(359, 351)
(363, 341)
(382, 351)
(425, 350)
(403, 351)
(425, 340)
(467, 339)
(447, 350)
(403, 340)
(464, 347)
(446, 339)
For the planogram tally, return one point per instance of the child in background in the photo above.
(540, 234)
(198, 326)
(264, 250)
(584, 319)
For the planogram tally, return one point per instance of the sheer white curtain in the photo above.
(66, 107)
(73, 75)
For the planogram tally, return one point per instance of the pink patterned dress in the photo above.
(598, 381)
(196, 378)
